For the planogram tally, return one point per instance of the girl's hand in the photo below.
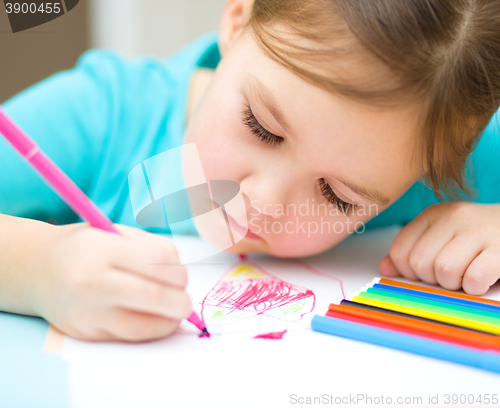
(455, 244)
(95, 285)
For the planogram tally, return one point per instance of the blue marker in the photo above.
(487, 360)
(433, 296)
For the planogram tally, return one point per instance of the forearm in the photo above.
(23, 247)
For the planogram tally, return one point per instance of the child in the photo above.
(312, 102)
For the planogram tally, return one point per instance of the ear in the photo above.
(234, 17)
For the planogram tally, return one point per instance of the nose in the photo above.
(268, 195)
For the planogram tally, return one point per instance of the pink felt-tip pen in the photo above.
(199, 324)
(63, 185)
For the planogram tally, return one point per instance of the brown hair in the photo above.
(443, 52)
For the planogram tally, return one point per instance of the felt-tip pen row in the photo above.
(423, 320)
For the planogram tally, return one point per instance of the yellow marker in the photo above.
(471, 324)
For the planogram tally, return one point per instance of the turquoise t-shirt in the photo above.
(109, 114)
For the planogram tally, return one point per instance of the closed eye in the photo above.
(334, 199)
(258, 130)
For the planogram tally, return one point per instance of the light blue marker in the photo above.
(487, 360)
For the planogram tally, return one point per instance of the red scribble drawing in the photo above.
(271, 336)
(247, 290)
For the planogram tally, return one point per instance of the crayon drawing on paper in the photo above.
(247, 290)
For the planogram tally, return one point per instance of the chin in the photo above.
(248, 246)
(264, 248)
(295, 251)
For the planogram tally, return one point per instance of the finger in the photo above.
(482, 273)
(127, 325)
(86, 334)
(141, 295)
(428, 246)
(155, 258)
(452, 261)
(403, 244)
(387, 268)
(141, 235)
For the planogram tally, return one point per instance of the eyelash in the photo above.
(334, 199)
(264, 135)
(258, 130)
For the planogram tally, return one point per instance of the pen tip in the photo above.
(204, 333)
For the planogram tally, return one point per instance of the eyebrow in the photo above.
(368, 194)
(269, 101)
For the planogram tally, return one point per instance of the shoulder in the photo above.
(117, 72)
(200, 52)
(146, 76)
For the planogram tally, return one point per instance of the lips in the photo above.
(251, 235)
(236, 227)
(239, 229)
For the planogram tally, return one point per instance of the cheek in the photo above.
(302, 236)
(214, 158)
(305, 236)
(304, 244)
(222, 147)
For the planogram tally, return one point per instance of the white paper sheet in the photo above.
(232, 369)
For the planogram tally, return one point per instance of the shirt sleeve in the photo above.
(67, 115)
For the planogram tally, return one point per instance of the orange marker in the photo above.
(416, 327)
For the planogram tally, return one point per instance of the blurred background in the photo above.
(132, 27)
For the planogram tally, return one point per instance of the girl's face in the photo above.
(302, 156)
